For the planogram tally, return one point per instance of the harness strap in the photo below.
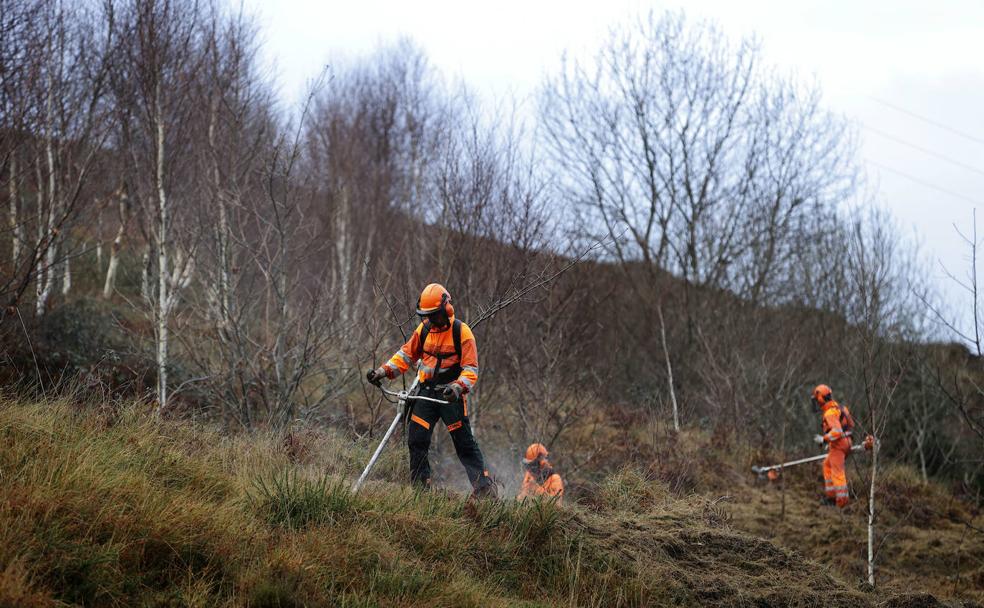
(846, 420)
(455, 337)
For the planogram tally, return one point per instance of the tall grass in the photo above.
(292, 501)
(114, 508)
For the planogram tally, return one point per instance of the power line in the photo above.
(926, 151)
(923, 182)
(936, 124)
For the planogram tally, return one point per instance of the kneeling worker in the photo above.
(540, 478)
(448, 370)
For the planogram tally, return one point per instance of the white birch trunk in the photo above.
(871, 516)
(16, 232)
(280, 342)
(45, 286)
(920, 446)
(225, 283)
(343, 253)
(145, 289)
(364, 271)
(163, 301)
(39, 228)
(223, 300)
(114, 253)
(669, 370)
(66, 277)
(182, 271)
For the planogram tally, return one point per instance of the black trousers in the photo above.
(424, 415)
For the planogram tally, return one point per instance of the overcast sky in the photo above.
(910, 73)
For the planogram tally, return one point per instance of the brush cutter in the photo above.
(402, 398)
(772, 472)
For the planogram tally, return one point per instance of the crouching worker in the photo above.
(448, 370)
(540, 478)
(837, 428)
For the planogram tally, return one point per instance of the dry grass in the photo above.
(113, 508)
(928, 541)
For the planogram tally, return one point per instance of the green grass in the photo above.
(110, 507)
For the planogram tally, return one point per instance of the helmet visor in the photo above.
(437, 318)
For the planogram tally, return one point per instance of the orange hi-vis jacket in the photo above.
(833, 430)
(835, 417)
(440, 343)
(551, 486)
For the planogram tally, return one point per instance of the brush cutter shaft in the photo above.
(856, 448)
(379, 450)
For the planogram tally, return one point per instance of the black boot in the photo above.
(485, 491)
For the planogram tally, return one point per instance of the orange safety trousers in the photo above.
(834, 474)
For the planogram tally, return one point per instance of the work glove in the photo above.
(452, 392)
(818, 439)
(375, 376)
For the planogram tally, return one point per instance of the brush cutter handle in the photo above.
(419, 398)
(406, 396)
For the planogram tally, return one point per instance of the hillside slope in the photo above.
(106, 507)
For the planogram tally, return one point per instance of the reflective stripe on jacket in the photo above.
(440, 342)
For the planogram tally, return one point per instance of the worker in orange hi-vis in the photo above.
(445, 349)
(540, 478)
(838, 424)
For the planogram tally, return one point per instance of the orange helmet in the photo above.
(822, 393)
(535, 452)
(433, 298)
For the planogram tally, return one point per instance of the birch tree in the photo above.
(59, 112)
(19, 55)
(880, 270)
(123, 213)
(161, 60)
(372, 138)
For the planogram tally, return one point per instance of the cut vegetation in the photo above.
(107, 507)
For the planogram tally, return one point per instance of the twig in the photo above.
(37, 367)
(187, 382)
(495, 307)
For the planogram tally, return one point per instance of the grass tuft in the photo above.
(289, 500)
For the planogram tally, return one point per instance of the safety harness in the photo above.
(846, 420)
(442, 376)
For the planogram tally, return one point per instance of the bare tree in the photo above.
(965, 394)
(53, 95)
(265, 294)
(880, 270)
(679, 150)
(154, 79)
(676, 147)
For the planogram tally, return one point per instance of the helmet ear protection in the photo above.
(446, 305)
